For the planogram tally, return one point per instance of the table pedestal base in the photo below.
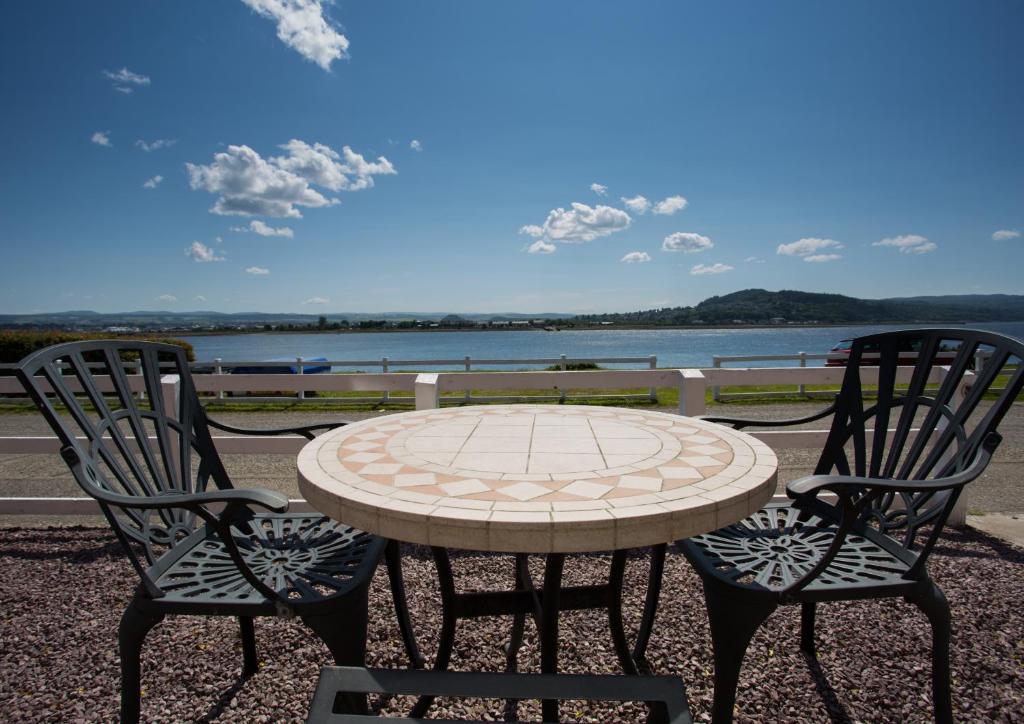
(544, 606)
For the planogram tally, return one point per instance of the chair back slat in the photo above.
(134, 441)
(950, 426)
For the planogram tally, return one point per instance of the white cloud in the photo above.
(638, 204)
(908, 244)
(167, 298)
(101, 138)
(415, 145)
(670, 205)
(301, 25)
(258, 227)
(636, 257)
(754, 260)
(317, 300)
(153, 182)
(201, 253)
(686, 242)
(156, 145)
(249, 185)
(257, 271)
(819, 258)
(320, 164)
(1005, 235)
(700, 269)
(124, 79)
(580, 223)
(540, 247)
(808, 247)
(199, 298)
(599, 189)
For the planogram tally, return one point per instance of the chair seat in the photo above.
(309, 559)
(777, 545)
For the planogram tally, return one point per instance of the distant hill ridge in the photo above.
(749, 306)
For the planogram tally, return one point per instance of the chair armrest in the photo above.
(307, 431)
(740, 422)
(845, 485)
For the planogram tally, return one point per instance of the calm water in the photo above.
(673, 347)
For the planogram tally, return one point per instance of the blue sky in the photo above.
(869, 148)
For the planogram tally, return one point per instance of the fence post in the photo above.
(561, 390)
(301, 394)
(468, 394)
(716, 391)
(802, 390)
(218, 370)
(170, 392)
(384, 369)
(692, 389)
(428, 395)
(653, 364)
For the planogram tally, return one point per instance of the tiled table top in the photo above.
(530, 478)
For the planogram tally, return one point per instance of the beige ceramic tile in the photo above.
(407, 480)
(422, 444)
(496, 445)
(586, 489)
(464, 487)
(363, 457)
(641, 482)
(491, 462)
(618, 431)
(564, 462)
(564, 445)
(641, 447)
(486, 430)
(380, 469)
(524, 491)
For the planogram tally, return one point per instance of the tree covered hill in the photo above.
(759, 306)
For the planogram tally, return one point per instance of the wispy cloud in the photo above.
(541, 247)
(317, 300)
(754, 260)
(687, 242)
(599, 189)
(1005, 235)
(156, 145)
(101, 138)
(258, 271)
(637, 204)
(701, 269)
(908, 244)
(579, 223)
(249, 185)
(201, 253)
(302, 26)
(153, 182)
(415, 145)
(167, 298)
(636, 257)
(124, 79)
(199, 298)
(810, 248)
(670, 205)
(258, 227)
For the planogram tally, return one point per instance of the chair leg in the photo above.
(807, 611)
(135, 624)
(734, 621)
(344, 632)
(935, 606)
(250, 661)
(393, 558)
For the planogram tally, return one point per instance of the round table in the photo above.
(538, 479)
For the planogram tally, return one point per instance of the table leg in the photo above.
(643, 635)
(520, 582)
(615, 579)
(549, 626)
(448, 621)
(393, 558)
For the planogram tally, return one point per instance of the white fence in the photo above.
(427, 389)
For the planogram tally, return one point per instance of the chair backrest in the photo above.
(953, 386)
(126, 428)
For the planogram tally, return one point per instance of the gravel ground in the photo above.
(64, 589)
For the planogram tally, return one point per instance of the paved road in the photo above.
(998, 490)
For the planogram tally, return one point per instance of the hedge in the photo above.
(15, 345)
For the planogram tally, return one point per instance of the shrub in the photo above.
(16, 344)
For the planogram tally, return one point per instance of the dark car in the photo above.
(908, 355)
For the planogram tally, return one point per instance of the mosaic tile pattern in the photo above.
(536, 478)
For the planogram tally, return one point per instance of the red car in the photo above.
(908, 356)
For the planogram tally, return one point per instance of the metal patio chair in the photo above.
(191, 559)
(900, 486)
